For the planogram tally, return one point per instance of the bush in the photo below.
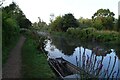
(10, 34)
(93, 34)
(83, 34)
(10, 31)
(106, 36)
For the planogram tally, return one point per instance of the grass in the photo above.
(34, 63)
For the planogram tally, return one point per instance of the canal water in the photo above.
(101, 60)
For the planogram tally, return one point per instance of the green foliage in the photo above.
(106, 36)
(69, 21)
(13, 11)
(82, 34)
(104, 18)
(64, 22)
(34, 63)
(10, 34)
(12, 19)
(41, 25)
(92, 34)
(74, 31)
(10, 31)
(24, 23)
(10, 28)
(98, 24)
(83, 23)
(57, 24)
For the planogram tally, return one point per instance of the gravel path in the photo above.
(12, 68)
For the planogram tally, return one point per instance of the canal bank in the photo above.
(34, 62)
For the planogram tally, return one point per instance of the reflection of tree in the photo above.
(117, 50)
(90, 63)
(68, 45)
(63, 45)
(96, 66)
(101, 52)
(98, 49)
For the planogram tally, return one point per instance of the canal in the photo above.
(102, 60)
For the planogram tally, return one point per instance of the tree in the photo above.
(57, 24)
(69, 21)
(40, 25)
(84, 22)
(25, 23)
(105, 16)
(64, 22)
(13, 11)
(12, 19)
(10, 29)
(98, 24)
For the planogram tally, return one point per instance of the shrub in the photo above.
(10, 31)
(93, 34)
(106, 36)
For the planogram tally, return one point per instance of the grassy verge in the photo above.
(34, 62)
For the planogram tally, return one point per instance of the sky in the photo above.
(79, 8)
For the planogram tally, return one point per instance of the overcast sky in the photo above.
(80, 8)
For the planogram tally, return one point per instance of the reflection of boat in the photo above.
(65, 69)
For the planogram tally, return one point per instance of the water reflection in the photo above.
(98, 61)
(64, 46)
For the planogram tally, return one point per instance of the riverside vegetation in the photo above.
(13, 19)
(33, 60)
(92, 34)
(15, 23)
(102, 27)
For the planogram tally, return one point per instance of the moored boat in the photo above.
(67, 70)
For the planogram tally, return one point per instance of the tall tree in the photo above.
(64, 22)
(12, 19)
(15, 12)
(40, 25)
(69, 21)
(106, 17)
(57, 24)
